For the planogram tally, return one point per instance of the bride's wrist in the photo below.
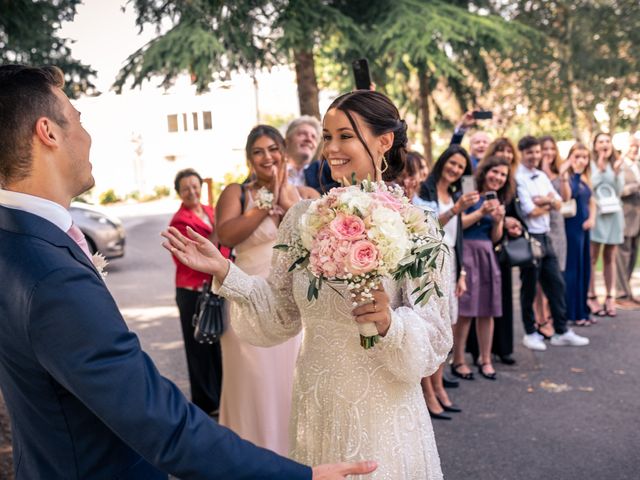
(220, 270)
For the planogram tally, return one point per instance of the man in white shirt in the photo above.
(537, 198)
(304, 169)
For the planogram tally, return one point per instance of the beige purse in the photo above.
(569, 208)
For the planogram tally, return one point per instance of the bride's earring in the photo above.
(384, 164)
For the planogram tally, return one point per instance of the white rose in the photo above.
(390, 233)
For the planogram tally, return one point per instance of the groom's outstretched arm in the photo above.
(80, 337)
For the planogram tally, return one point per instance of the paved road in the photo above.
(564, 414)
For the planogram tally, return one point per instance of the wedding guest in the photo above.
(627, 252)
(578, 271)
(537, 198)
(411, 177)
(478, 143)
(556, 170)
(204, 361)
(339, 389)
(441, 193)
(483, 225)
(257, 385)
(424, 167)
(85, 401)
(304, 168)
(607, 182)
(502, 345)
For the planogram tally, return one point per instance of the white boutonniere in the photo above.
(100, 263)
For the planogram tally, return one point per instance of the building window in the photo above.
(195, 120)
(172, 123)
(206, 120)
(184, 122)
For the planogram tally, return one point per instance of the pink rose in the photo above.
(347, 227)
(362, 258)
(388, 200)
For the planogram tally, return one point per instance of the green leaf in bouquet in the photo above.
(299, 261)
(312, 292)
(282, 246)
(409, 259)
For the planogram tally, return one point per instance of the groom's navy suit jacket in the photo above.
(85, 401)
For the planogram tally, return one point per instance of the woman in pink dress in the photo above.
(257, 381)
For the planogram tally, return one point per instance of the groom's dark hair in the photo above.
(26, 94)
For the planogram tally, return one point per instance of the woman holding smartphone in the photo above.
(441, 193)
(483, 225)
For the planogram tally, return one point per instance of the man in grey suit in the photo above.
(85, 401)
(627, 253)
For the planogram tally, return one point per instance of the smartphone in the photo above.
(491, 195)
(361, 74)
(482, 114)
(468, 184)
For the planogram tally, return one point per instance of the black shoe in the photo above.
(451, 408)
(490, 376)
(450, 383)
(438, 416)
(456, 373)
(507, 359)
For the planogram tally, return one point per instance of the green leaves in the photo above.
(29, 35)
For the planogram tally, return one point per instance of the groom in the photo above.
(85, 401)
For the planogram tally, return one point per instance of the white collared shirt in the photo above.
(533, 183)
(634, 167)
(55, 213)
(296, 176)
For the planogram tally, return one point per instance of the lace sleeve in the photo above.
(268, 314)
(420, 336)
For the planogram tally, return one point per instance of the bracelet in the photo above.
(264, 199)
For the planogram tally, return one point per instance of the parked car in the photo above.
(104, 233)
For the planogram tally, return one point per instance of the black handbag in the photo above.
(522, 251)
(208, 319)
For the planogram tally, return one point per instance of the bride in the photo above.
(348, 403)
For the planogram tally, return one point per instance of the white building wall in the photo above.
(137, 120)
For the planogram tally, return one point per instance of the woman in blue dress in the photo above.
(578, 269)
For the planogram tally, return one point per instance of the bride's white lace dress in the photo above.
(349, 403)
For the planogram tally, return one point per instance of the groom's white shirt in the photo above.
(41, 207)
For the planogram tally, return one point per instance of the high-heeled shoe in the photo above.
(610, 307)
(450, 408)
(438, 416)
(490, 376)
(456, 373)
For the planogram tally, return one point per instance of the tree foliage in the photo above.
(29, 35)
(590, 58)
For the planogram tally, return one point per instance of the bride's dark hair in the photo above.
(382, 116)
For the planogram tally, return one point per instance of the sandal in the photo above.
(456, 373)
(584, 322)
(490, 376)
(539, 328)
(599, 310)
(610, 307)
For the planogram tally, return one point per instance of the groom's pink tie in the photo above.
(77, 235)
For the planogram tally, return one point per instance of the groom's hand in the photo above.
(339, 471)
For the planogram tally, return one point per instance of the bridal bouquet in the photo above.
(359, 234)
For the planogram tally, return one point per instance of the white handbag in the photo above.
(569, 208)
(607, 200)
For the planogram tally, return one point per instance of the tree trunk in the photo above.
(425, 114)
(566, 75)
(307, 83)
